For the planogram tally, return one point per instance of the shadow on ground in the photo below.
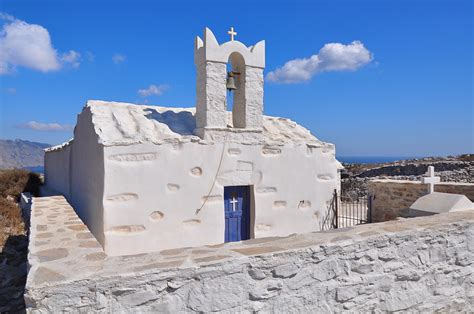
(13, 271)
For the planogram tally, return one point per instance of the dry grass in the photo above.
(12, 184)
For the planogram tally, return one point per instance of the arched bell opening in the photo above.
(236, 89)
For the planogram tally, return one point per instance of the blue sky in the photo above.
(402, 84)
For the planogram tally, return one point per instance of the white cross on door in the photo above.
(234, 202)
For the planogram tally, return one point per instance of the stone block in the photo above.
(344, 294)
(285, 271)
(362, 268)
(266, 290)
(137, 298)
(210, 295)
(327, 269)
(437, 254)
(407, 274)
(399, 300)
(52, 254)
(257, 274)
(464, 259)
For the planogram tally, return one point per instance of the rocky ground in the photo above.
(450, 169)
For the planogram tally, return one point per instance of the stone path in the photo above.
(62, 248)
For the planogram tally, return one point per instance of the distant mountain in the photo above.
(21, 154)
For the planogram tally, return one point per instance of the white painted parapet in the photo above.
(413, 265)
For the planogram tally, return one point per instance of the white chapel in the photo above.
(148, 178)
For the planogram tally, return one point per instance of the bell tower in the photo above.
(245, 81)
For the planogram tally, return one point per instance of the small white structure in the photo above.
(430, 179)
(147, 178)
(436, 203)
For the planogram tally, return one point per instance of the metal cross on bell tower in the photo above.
(232, 33)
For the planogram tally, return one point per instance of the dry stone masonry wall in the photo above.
(419, 264)
(392, 198)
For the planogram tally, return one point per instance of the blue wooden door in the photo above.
(237, 213)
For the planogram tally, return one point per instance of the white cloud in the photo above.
(72, 57)
(153, 90)
(29, 45)
(10, 90)
(90, 56)
(39, 126)
(118, 58)
(6, 17)
(332, 57)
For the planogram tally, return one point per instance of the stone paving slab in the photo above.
(62, 249)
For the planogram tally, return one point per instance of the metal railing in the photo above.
(344, 212)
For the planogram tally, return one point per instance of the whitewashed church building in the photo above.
(149, 178)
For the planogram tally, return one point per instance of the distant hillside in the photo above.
(20, 154)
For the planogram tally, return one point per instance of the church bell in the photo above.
(230, 84)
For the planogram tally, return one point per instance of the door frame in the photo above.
(251, 218)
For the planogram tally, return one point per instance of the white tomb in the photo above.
(148, 178)
(436, 203)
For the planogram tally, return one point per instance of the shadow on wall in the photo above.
(182, 122)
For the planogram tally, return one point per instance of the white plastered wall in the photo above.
(87, 175)
(152, 192)
(56, 170)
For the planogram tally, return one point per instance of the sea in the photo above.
(372, 159)
(38, 169)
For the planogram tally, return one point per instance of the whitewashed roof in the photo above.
(125, 124)
(59, 146)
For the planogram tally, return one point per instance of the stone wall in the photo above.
(419, 264)
(392, 198)
(456, 188)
